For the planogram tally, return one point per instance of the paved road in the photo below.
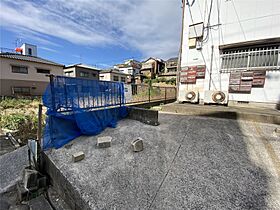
(188, 163)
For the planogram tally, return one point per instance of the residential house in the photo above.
(152, 67)
(81, 71)
(113, 75)
(170, 70)
(130, 66)
(25, 73)
(233, 51)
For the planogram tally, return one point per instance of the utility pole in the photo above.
(211, 64)
(180, 51)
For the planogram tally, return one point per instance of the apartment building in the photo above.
(113, 75)
(232, 47)
(81, 71)
(25, 74)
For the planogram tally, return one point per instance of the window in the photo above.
(84, 74)
(21, 90)
(94, 74)
(250, 59)
(69, 73)
(29, 51)
(115, 78)
(43, 71)
(20, 69)
(122, 79)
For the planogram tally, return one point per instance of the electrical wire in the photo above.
(200, 50)
(238, 19)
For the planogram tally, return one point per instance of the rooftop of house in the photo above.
(82, 66)
(175, 59)
(156, 59)
(28, 58)
(116, 71)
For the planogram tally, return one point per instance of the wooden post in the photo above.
(39, 131)
(150, 84)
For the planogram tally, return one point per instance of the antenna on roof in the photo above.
(18, 42)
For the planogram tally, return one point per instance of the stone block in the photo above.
(137, 145)
(21, 191)
(30, 178)
(78, 156)
(146, 116)
(104, 141)
(42, 182)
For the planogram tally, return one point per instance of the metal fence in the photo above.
(69, 94)
(137, 93)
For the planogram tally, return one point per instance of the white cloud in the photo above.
(150, 26)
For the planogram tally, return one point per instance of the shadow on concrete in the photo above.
(213, 170)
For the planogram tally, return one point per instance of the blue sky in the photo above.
(95, 32)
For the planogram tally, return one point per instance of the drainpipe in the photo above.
(211, 64)
(180, 51)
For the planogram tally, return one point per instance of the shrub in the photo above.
(14, 103)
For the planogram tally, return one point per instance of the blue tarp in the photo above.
(80, 107)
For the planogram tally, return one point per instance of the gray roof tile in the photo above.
(28, 58)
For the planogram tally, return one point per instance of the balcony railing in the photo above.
(251, 59)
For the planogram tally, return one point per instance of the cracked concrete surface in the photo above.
(187, 163)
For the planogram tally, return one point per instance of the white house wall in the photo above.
(259, 19)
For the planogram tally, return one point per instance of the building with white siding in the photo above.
(231, 46)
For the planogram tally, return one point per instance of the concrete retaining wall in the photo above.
(69, 194)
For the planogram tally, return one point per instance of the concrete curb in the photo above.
(236, 115)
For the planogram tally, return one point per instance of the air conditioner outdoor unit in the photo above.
(191, 96)
(215, 97)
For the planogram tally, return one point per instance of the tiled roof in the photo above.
(28, 58)
(112, 71)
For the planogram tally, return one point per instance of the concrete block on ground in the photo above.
(276, 132)
(137, 145)
(21, 191)
(78, 156)
(11, 166)
(146, 116)
(42, 182)
(30, 178)
(39, 203)
(4, 204)
(104, 141)
(19, 207)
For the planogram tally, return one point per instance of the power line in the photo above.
(238, 19)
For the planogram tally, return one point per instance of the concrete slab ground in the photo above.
(187, 163)
(11, 166)
(249, 113)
